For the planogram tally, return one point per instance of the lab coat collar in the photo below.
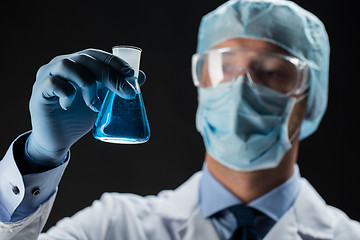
(309, 218)
(197, 227)
(181, 203)
(182, 206)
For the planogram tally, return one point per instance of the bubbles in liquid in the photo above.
(123, 120)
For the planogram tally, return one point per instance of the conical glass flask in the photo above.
(123, 120)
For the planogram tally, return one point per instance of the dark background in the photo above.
(33, 32)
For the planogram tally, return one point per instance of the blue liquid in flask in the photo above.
(123, 120)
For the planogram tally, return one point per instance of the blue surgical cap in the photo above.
(284, 24)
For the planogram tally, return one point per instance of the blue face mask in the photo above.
(244, 127)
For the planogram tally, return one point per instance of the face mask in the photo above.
(244, 127)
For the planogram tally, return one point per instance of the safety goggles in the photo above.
(285, 74)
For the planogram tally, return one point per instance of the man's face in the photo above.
(261, 46)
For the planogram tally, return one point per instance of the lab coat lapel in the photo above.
(307, 219)
(198, 227)
(179, 204)
(182, 206)
(285, 228)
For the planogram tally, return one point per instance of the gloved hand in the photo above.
(66, 97)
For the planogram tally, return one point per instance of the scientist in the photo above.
(261, 69)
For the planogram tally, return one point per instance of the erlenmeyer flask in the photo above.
(123, 120)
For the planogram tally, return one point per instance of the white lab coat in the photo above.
(176, 215)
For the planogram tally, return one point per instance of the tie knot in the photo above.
(244, 215)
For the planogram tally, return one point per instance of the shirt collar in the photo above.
(215, 197)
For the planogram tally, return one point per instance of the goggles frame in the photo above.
(302, 77)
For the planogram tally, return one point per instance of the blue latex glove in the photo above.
(66, 97)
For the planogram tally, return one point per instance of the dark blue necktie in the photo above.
(251, 224)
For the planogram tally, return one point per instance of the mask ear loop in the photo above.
(296, 132)
(304, 85)
(299, 99)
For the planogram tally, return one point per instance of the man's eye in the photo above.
(270, 73)
(264, 71)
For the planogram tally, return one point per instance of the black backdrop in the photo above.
(33, 32)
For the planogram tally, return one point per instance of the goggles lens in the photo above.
(285, 74)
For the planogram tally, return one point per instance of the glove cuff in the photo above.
(31, 165)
